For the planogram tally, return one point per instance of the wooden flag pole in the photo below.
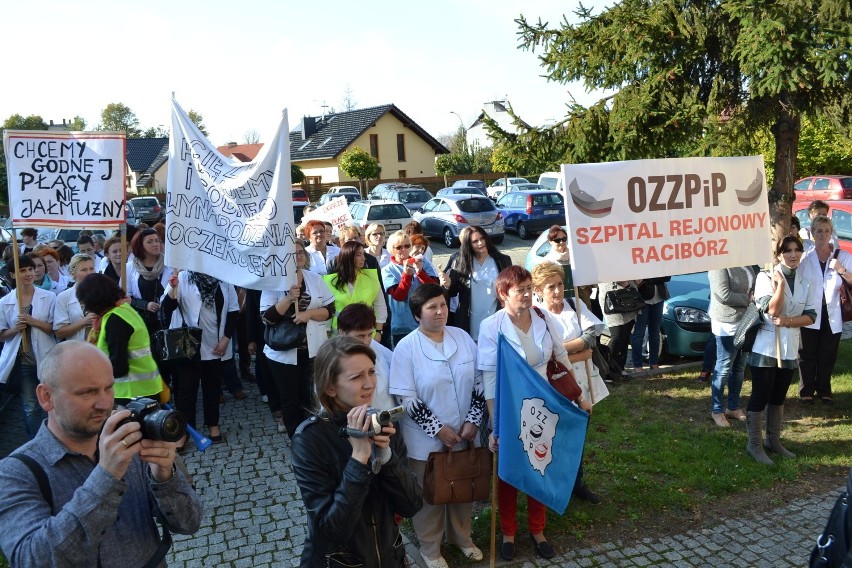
(493, 546)
(123, 230)
(577, 302)
(25, 340)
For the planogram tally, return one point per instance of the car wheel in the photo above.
(522, 232)
(498, 240)
(449, 240)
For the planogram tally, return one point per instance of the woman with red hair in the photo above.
(319, 250)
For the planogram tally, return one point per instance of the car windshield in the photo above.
(389, 211)
(846, 183)
(414, 196)
(547, 199)
(476, 205)
(145, 202)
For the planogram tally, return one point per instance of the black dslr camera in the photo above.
(156, 423)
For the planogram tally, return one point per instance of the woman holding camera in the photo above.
(434, 371)
(119, 331)
(351, 486)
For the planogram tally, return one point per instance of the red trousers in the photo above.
(507, 501)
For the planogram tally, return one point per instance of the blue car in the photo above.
(686, 318)
(531, 211)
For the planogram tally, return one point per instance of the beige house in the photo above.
(403, 148)
(147, 165)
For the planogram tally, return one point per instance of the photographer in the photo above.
(351, 486)
(104, 483)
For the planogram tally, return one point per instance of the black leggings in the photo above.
(294, 384)
(187, 377)
(768, 386)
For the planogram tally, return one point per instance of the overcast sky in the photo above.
(240, 63)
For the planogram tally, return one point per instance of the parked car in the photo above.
(499, 185)
(461, 190)
(392, 214)
(445, 216)
(378, 192)
(349, 197)
(145, 209)
(840, 213)
(521, 187)
(823, 187)
(531, 211)
(474, 183)
(298, 212)
(68, 236)
(301, 196)
(344, 189)
(552, 180)
(411, 196)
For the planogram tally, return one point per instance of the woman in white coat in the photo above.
(529, 335)
(18, 361)
(787, 299)
(69, 321)
(291, 370)
(434, 371)
(826, 267)
(199, 300)
(147, 277)
(578, 336)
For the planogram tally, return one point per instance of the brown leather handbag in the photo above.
(457, 477)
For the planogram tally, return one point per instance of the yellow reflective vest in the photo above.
(143, 377)
(366, 290)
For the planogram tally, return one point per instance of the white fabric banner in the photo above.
(335, 212)
(647, 218)
(64, 179)
(233, 221)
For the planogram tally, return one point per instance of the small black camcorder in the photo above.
(379, 418)
(155, 422)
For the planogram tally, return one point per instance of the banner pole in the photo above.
(577, 302)
(25, 341)
(493, 545)
(123, 231)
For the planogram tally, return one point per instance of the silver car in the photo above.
(447, 215)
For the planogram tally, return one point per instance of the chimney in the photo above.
(309, 127)
(232, 144)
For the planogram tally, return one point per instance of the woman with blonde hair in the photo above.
(375, 239)
(69, 321)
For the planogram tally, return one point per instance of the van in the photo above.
(552, 180)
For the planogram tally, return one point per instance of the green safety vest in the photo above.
(365, 291)
(143, 376)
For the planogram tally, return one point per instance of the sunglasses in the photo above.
(377, 235)
(400, 247)
(560, 240)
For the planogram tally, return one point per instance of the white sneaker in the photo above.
(472, 553)
(437, 563)
(264, 398)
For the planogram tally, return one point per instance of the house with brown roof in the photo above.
(147, 169)
(240, 152)
(403, 148)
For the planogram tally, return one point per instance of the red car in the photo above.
(301, 196)
(840, 213)
(823, 187)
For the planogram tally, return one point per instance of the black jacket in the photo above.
(350, 509)
(460, 284)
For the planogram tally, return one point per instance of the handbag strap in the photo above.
(549, 330)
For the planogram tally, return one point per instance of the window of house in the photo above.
(374, 145)
(403, 174)
(400, 148)
(313, 180)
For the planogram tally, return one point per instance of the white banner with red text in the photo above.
(231, 220)
(64, 179)
(648, 218)
(335, 212)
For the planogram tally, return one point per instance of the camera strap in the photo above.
(162, 550)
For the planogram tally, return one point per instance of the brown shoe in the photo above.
(240, 394)
(720, 420)
(737, 414)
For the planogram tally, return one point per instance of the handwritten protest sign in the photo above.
(65, 178)
(233, 221)
(647, 218)
(335, 212)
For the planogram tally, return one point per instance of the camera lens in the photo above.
(166, 425)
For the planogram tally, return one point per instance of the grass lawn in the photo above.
(662, 466)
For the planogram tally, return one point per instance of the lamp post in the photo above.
(463, 129)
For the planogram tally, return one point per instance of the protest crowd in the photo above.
(370, 323)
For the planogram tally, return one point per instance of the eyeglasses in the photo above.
(560, 240)
(377, 235)
(792, 250)
(301, 253)
(400, 247)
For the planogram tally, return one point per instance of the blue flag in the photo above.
(541, 432)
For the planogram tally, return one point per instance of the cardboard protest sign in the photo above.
(233, 221)
(335, 212)
(65, 179)
(647, 218)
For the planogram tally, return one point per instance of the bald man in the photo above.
(107, 482)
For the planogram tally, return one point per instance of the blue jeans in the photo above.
(27, 378)
(709, 354)
(730, 367)
(650, 319)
